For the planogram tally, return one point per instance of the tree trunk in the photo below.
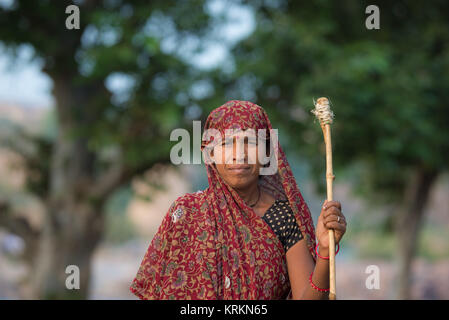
(408, 224)
(74, 220)
(70, 236)
(79, 184)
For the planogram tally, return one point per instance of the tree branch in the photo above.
(13, 137)
(118, 175)
(17, 224)
(35, 152)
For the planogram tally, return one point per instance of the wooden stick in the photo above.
(324, 114)
(329, 179)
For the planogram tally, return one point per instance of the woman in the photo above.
(247, 236)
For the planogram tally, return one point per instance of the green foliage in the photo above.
(116, 37)
(371, 243)
(433, 243)
(388, 87)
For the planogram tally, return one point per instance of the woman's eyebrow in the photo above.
(242, 138)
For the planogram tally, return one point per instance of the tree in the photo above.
(389, 88)
(103, 139)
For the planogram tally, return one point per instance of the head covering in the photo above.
(211, 244)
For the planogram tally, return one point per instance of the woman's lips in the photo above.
(239, 169)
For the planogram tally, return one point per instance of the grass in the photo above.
(432, 244)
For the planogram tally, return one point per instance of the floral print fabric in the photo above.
(211, 245)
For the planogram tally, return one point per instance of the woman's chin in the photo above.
(242, 182)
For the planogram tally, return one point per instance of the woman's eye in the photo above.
(227, 143)
(252, 142)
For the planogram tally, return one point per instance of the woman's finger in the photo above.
(332, 203)
(335, 225)
(331, 211)
(334, 217)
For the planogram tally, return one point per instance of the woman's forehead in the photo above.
(239, 133)
(237, 115)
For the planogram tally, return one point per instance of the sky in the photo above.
(23, 82)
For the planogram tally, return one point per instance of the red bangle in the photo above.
(314, 286)
(326, 258)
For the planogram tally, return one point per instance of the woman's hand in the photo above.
(330, 218)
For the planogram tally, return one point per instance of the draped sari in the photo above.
(211, 244)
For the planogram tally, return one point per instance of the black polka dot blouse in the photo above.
(282, 221)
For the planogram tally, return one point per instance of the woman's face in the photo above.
(236, 160)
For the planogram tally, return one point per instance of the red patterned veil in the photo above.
(211, 244)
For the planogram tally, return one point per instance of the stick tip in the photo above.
(323, 111)
(322, 100)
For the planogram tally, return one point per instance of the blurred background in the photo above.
(86, 115)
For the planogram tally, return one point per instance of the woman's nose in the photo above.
(240, 154)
